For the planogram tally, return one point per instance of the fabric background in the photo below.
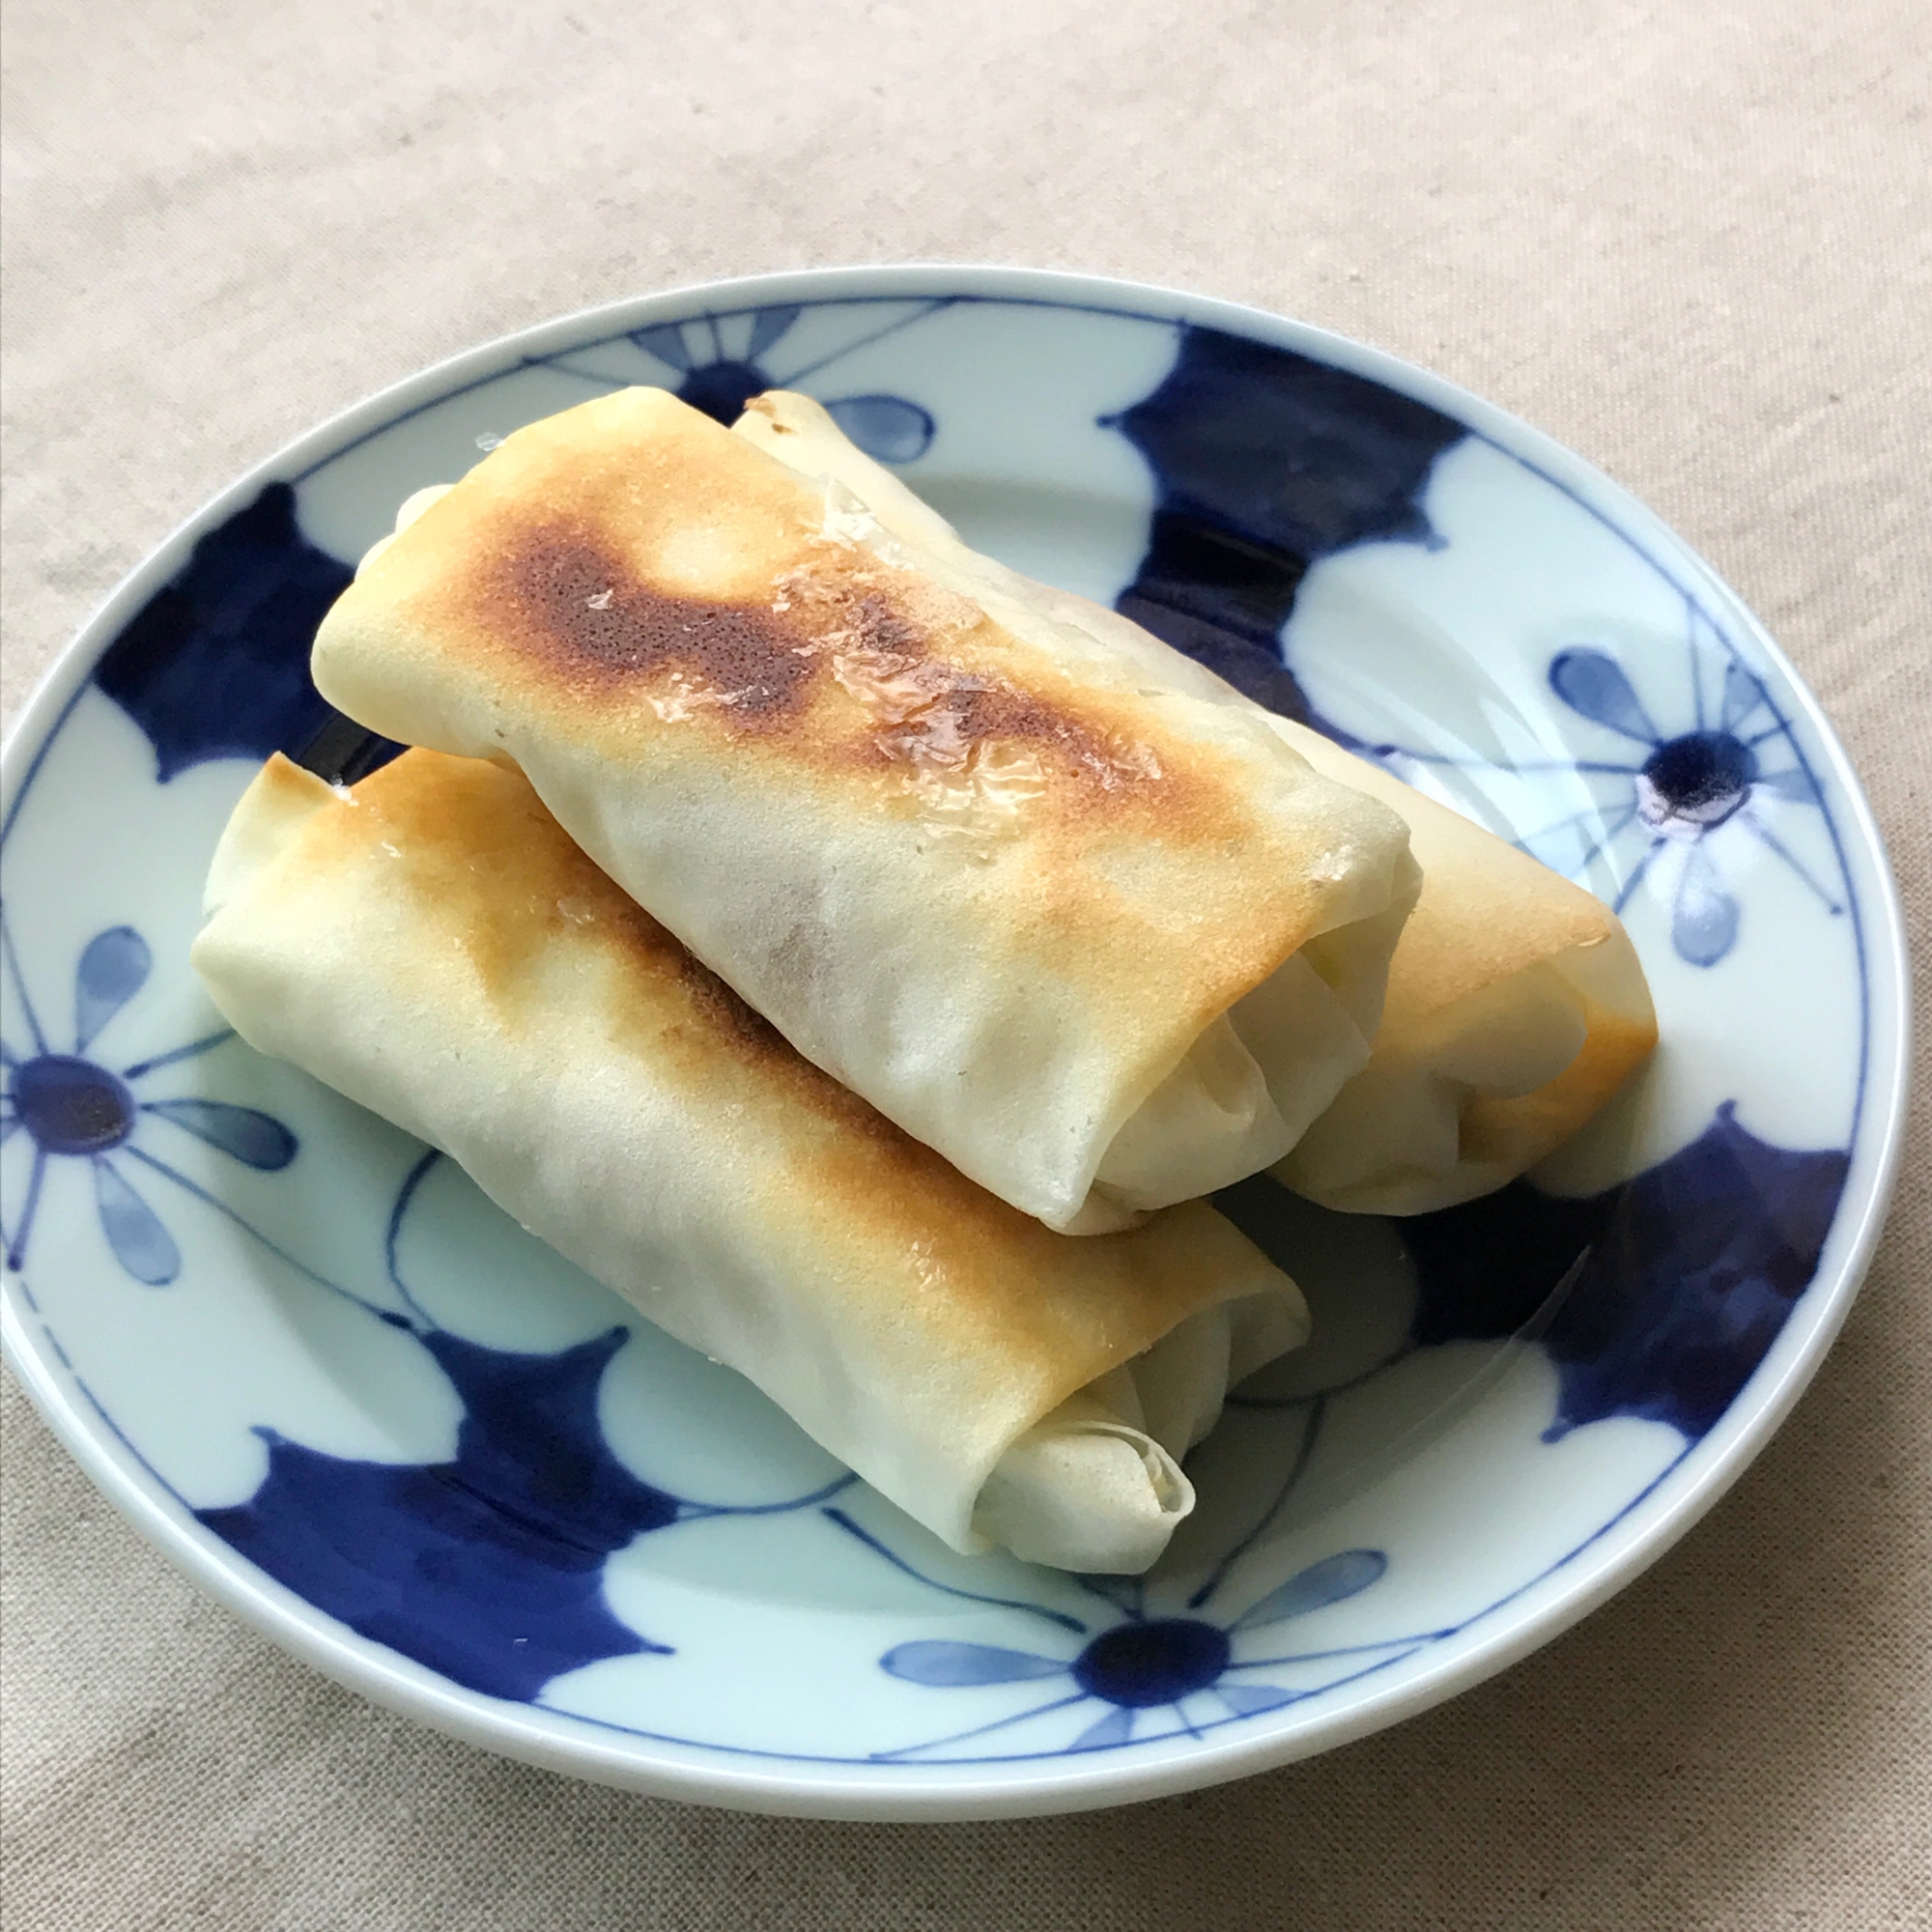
(1692, 243)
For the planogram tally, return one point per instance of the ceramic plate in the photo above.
(362, 1408)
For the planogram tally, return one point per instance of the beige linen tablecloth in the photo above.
(1691, 241)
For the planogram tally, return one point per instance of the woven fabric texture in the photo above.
(1692, 243)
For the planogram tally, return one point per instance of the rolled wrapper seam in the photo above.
(1516, 1006)
(432, 946)
(1104, 947)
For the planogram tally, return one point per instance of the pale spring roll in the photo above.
(1105, 946)
(1515, 1004)
(434, 947)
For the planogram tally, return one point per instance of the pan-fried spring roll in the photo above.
(1517, 1008)
(1107, 946)
(433, 945)
(1515, 1004)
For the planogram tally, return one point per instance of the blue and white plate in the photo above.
(358, 1404)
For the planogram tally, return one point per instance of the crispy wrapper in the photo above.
(1105, 945)
(1516, 1006)
(434, 947)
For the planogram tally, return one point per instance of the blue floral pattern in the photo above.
(721, 361)
(1656, 1301)
(488, 1568)
(75, 1107)
(1677, 786)
(1154, 1667)
(1661, 792)
(215, 664)
(1265, 463)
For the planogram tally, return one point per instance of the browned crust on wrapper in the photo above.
(515, 935)
(701, 666)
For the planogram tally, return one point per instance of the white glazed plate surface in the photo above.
(356, 1403)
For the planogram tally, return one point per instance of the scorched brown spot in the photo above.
(925, 710)
(561, 599)
(566, 601)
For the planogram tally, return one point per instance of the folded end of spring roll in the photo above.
(1085, 1491)
(1516, 1009)
(432, 945)
(1097, 1485)
(1105, 947)
(1513, 1005)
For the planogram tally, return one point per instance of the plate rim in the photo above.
(1614, 1556)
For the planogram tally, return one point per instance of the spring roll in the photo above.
(1515, 1004)
(434, 947)
(1104, 945)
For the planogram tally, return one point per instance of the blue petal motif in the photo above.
(1266, 462)
(215, 664)
(1796, 785)
(256, 1139)
(666, 342)
(140, 1243)
(1592, 683)
(1690, 1272)
(490, 1567)
(1742, 695)
(1246, 1699)
(112, 970)
(945, 1663)
(1334, 1579)
(768, 326)
(887, 427)
(1704, 920)
(1692, 1281)
(1117, 1727)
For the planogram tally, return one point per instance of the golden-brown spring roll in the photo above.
(1105, 946)
(434, 947)
(1515, 1004)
